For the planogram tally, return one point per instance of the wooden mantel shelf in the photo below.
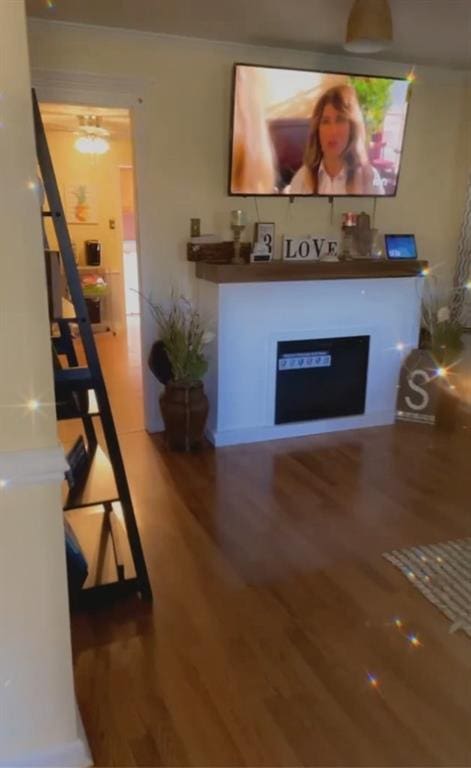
(312, 270)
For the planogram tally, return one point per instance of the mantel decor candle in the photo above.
(238, 222)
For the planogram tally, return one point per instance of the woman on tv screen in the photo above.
(298, 132)
(335, 158)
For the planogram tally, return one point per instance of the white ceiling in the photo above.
(425, 31)
(64, 117)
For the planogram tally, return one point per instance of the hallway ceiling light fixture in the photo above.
(92, 137)
(369, 26)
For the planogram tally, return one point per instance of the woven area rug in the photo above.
(442, 572)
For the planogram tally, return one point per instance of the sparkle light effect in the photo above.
(372, 680)
(400, 346)
(447, 372)
(411, 76)
(3, 484)
(410, 638)
(30, 404)
(425, 271)
(32, 185)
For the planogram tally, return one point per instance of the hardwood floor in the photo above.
(273, 604)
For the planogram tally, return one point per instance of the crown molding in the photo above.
(323, 56)
(93, 85)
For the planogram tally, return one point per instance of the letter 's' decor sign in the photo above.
(417, 391)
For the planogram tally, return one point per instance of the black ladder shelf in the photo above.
(104, 480)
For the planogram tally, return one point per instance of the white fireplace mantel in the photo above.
(252, 314)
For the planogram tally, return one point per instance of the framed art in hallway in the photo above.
(81, 204)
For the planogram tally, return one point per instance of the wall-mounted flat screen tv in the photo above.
(296, 132)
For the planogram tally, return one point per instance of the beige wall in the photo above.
(37, 702)
(37, 708)
(101, 172)
(24, 335)
(185, 86)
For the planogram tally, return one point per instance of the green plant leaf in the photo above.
(181, 330)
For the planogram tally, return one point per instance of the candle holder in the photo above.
(237, 226)
(237, 230)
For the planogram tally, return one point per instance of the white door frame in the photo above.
(136, 299)
(128, 93)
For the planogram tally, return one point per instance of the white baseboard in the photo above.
(299, 429)
(83, 739)
(75, 754)
(155, 424)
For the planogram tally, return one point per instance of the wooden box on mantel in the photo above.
(216, 253)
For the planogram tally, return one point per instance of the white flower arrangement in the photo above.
(442, 333)
(443, 315)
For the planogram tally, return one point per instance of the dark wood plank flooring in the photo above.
(273, 604)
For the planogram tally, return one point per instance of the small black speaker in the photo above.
(93, 253)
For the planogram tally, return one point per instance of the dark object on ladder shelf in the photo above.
(77, 569)
(102, 481)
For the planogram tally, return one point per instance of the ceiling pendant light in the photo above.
(369, 26)
(92, 138)
(91, 145)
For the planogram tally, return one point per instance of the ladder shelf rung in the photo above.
(76, 378)
(101, 534)
(102, 594)
(68, 412)
(96, 487)
(69, 319)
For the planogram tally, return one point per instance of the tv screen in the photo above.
(296, 132)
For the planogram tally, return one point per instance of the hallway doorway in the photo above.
(92, 153)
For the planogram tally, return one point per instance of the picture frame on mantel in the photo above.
(264, 232)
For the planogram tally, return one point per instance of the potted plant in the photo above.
(178, 360)
(442, 336)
